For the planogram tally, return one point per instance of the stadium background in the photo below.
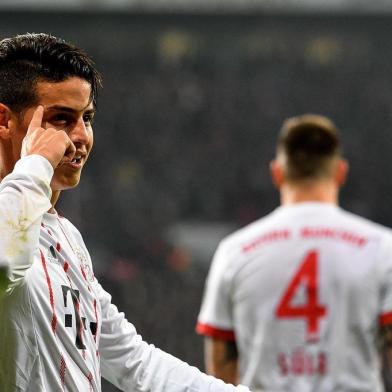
(187, 122)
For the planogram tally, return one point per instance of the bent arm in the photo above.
(24, 198)
(131, 364)
(221, 359)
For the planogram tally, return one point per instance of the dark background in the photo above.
(186, 127)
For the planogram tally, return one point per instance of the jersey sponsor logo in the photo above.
(75, 320)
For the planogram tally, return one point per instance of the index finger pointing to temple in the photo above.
(36, 120)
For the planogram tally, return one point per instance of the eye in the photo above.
(88, 118)
(60, 119)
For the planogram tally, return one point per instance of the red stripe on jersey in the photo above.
(51, 298)
(90, 380)
(209, 330)
(58, 247)
(83, 273)
(385, 319)
(66, 268)
(96, 319)
(63, 368)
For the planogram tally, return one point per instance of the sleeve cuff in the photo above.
(214, 332)
(385, 319)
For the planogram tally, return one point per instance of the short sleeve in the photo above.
(215, 317)
(385, 314)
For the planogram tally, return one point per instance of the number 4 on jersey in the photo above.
(312, 310)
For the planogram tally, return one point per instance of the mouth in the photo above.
(76, 163)
(77, 159)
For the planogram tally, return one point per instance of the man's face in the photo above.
(68, 107)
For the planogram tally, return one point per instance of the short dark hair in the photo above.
(28, 59)
(309, 143)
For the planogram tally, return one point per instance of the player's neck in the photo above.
(53, 200)
(322, 192)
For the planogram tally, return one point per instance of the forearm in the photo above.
(24, 198)
(221, 359)
(385, 347)
(132, 364)
(387, 370)
(177, 376)
(149, 369)
(161, 372)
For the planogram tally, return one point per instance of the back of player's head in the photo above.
(308, 145)
(31, 58)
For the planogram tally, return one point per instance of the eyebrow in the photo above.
(69, 110)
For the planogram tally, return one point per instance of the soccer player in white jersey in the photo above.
(58, 328)
(301, 300)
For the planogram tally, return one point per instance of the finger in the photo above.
(70, 151)
(36, 120)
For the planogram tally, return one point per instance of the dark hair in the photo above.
(30, 58)
(309, 143)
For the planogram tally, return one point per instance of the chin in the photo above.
(62, 184)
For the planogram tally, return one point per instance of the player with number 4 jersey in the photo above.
(301, 300)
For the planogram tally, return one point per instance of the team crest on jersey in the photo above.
(82, 257)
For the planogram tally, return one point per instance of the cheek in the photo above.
(17, 144)
(18, 141)
(91, 141)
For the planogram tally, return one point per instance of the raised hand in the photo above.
(52, 144)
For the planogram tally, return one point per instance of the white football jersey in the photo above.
(58, 328)
(303, 292)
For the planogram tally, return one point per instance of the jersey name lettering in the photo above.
(299, 363)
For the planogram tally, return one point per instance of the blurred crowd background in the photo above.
(187, 123)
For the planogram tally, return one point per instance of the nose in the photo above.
(80, 133)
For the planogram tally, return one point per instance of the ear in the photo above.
(277, 173)
(5, 116)
(341, 172)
